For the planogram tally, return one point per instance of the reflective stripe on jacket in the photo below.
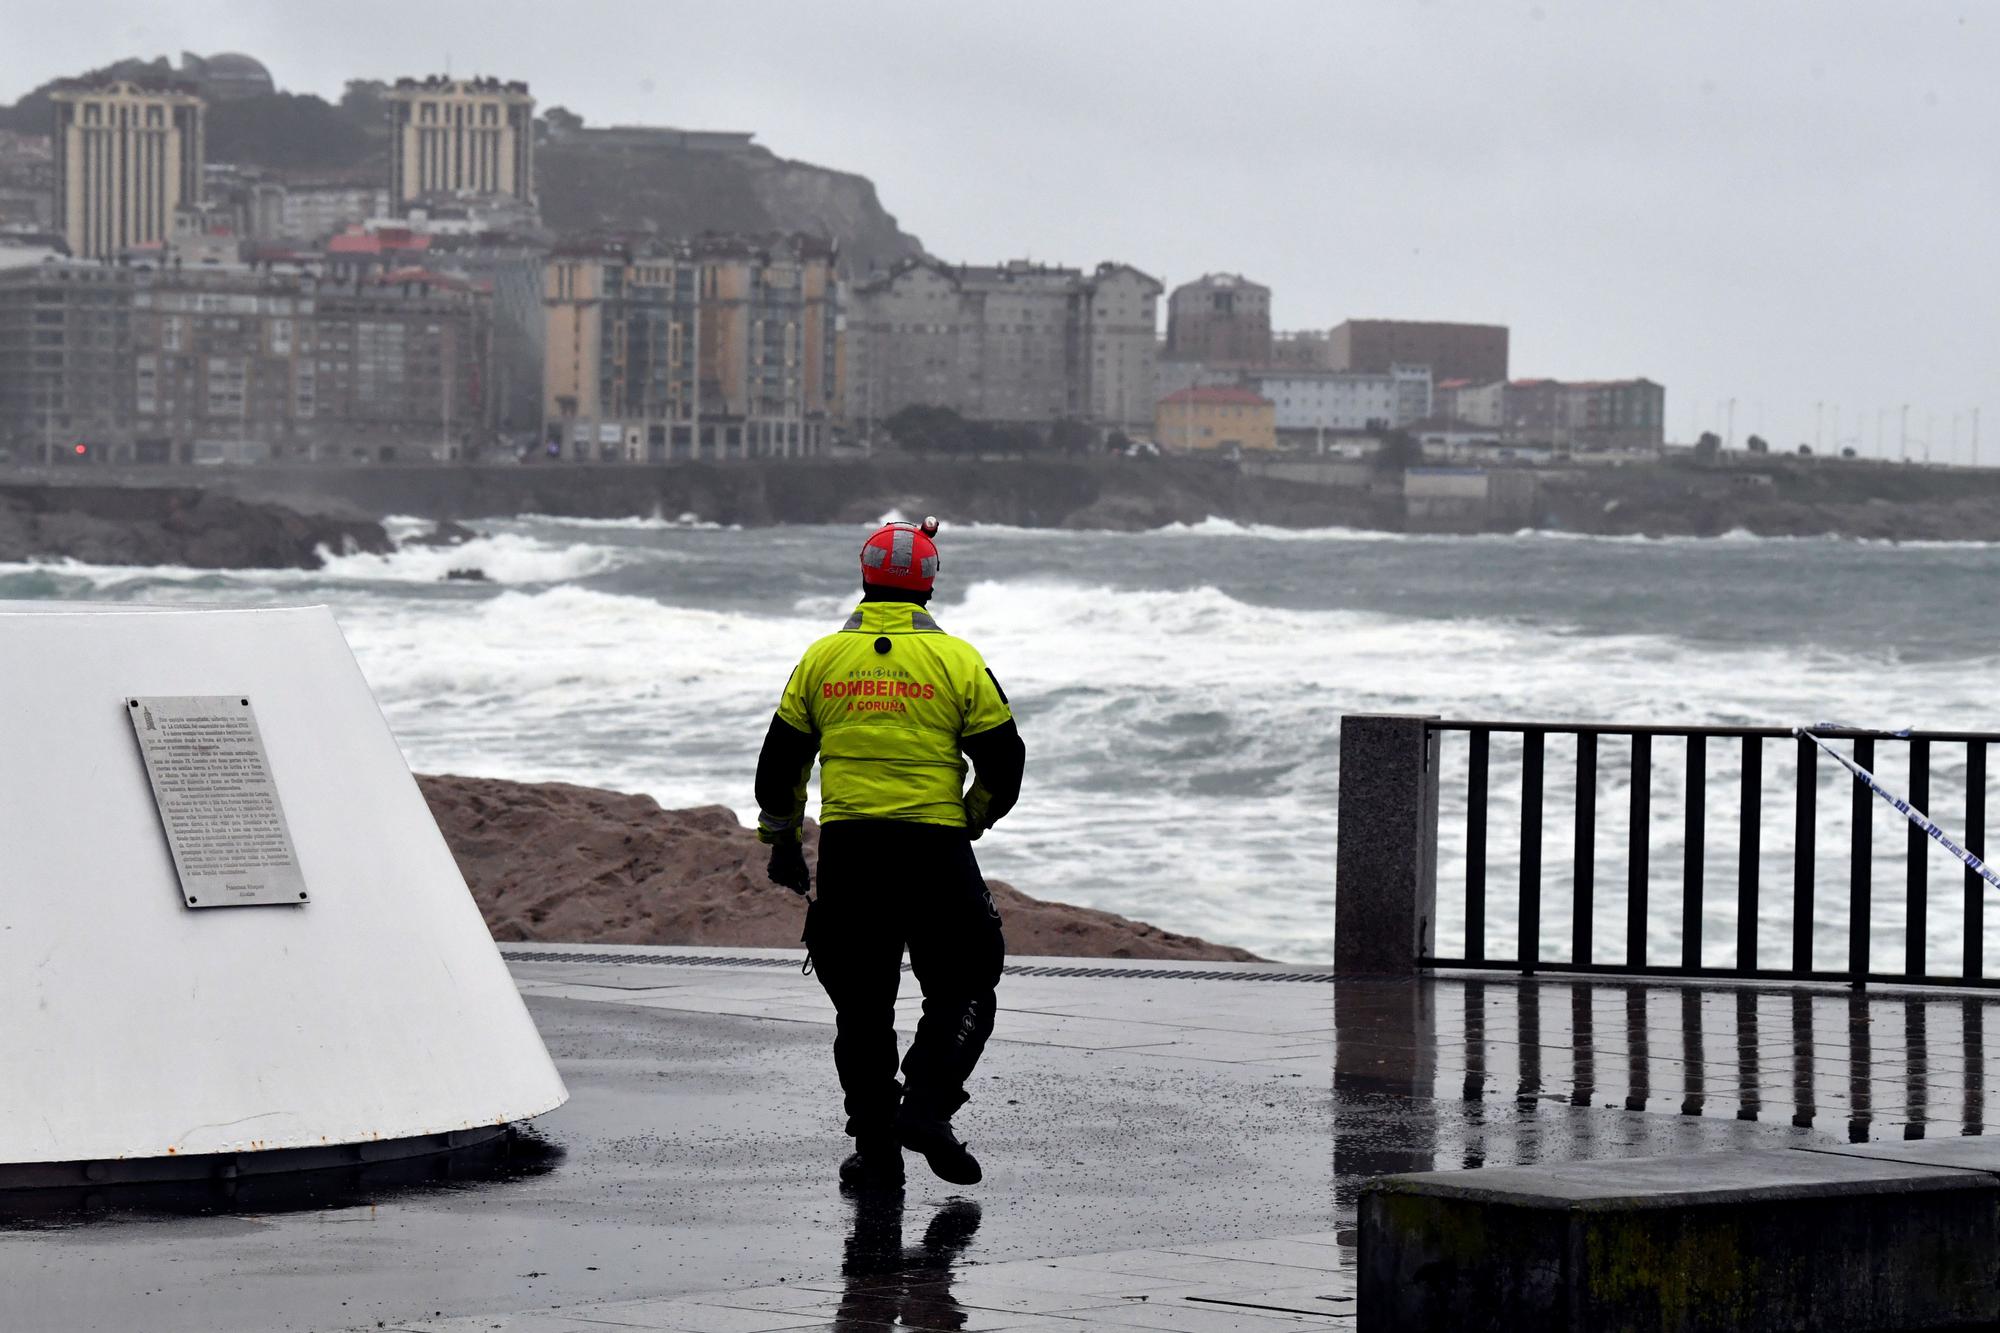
(889, 697)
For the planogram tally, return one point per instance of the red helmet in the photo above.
(901, 555)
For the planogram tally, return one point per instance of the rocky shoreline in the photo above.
(1776, 495)
(281, 516)
(171, 525)
(1106, 494)
(553, 862)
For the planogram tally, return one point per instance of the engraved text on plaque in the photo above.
(212, 783)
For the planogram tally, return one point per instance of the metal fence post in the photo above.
(1385, 864)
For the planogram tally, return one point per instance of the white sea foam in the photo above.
(502, 557)
(1745, 537)
(1229, 527)
(654, 522)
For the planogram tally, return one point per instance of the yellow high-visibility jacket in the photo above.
(889, 698)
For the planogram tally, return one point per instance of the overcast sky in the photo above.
(1787, 204)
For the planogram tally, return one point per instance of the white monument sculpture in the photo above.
(236, 954)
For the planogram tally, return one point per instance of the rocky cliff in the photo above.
(555, 862)
(170, 525)
(589, 185)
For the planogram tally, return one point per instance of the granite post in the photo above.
(1385, 866)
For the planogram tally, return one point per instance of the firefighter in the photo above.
(893, 707)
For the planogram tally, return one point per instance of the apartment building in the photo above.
(1472, 402)
(1020, 342)
(1600, 414)
(27, 180)
(460, 137)
(65, 357)
(1617, 414)
(243, 365)
(233, 364)
(128, 155)
(1310, 403)
(718, 348)
(1120, 338)
(313, 212)
(1220, 317)
(1587, 414)
(1452, 351)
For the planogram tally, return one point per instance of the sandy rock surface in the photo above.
(554, 862)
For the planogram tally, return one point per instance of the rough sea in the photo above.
(1181, 691)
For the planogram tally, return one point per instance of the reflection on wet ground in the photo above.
(890, 1283)
(1494, 1056)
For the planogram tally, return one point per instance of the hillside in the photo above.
(588, 182)
(587, 185)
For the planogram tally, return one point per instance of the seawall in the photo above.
(1078, 493)
(1779, 496)
(1109, 493)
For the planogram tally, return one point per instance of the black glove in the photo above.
(788, 867)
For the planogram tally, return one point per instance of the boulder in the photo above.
(549, 861)
(171, 525)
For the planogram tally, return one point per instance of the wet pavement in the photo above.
(1166, 1146)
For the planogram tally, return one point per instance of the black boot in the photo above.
(875, 1164)
(931, 1135)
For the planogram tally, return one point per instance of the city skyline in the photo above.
(1780, 209)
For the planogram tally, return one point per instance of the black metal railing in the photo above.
(1697, 740)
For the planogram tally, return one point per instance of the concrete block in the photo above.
(1385, 866)
(1766, 1240)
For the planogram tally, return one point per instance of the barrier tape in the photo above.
(1904, 808)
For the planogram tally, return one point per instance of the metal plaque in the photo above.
(218, 805)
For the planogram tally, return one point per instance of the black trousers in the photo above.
(884, 885)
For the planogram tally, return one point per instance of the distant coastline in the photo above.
(277, 516)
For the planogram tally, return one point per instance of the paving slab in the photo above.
(1222, 1158)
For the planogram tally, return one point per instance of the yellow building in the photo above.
(460, 136)
(723, 348)
(1215, 418)
(127, 155)
(572, 295)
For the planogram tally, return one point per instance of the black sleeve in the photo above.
(782, 766)
(998, 760)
